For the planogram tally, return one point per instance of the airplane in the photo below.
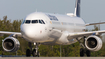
(54, 29)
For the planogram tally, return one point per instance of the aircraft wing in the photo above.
(81, 34)
(9, 33)
(94, 23)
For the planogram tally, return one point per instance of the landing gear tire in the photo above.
(81, 52)
(38, 54)
(28, 53)
(34, 51)
(35, 54)
(88, 53)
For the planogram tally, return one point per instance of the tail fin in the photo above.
(77, 8)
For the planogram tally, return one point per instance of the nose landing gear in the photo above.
(34, 51)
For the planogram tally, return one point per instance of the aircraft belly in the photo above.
(54, 43)
(58, 38)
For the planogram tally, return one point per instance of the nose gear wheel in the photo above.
(34, 51)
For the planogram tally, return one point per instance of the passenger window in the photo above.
(27, 21)
(34, 21)
(43, 22)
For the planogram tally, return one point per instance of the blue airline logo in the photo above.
(52, 17)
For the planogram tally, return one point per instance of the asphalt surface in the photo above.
(52, 57)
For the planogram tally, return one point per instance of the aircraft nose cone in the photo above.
(29, 32)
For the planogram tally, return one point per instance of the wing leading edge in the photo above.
(9, 33)
(94, 23)
(81, 34)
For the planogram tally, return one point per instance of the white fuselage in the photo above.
(53, 28)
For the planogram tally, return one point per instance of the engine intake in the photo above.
(93, 43)
(10, 44)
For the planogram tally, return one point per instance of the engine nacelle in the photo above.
(10, 44)
(93, 43)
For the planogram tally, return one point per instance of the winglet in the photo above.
(77, 8)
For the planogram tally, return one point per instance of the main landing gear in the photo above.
(34, 51)
(83, 50)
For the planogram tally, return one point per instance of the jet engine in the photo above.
(93, 43)
(10, 44)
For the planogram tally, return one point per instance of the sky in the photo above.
(91, 10)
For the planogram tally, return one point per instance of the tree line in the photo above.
(72, 50)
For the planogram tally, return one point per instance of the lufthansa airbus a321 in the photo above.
(54, 29)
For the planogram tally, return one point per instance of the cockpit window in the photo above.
(34, 21)
(23, 22)
(28, 21)
(43, 22)
(40, 22)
